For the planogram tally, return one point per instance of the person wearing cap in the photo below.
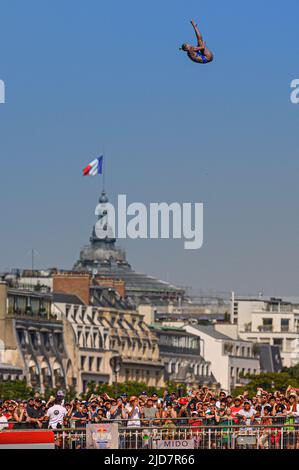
(118, 410)
(10, 413)
(134, 412)
(142, 401)
(35, 414)
(183, 412)
(80, 416)
(155, 400)
(149, 413)
(100, 417)
(211, 414)
(92, 410)
(124, 397)
(247, 413)
(107, 408)
(60, 396)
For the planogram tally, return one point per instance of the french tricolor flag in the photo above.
(94, 168)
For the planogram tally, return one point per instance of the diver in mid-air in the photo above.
(200, 53)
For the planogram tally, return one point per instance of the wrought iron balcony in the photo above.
(28, 313)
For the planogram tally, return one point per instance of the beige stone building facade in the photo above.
(57, 339)
(32, 339)
(108, 340)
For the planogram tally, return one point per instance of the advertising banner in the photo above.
(102, 436)
(175, 444)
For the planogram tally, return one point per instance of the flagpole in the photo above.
(104, 165)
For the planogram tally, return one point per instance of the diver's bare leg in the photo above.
(198, 35)
(207, 53)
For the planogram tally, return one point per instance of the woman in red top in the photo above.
(196, 432)
(235, 409)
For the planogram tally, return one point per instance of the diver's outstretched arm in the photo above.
(198, 33)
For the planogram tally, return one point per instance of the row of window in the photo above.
(236, 371)
(41, 339)
(22, 304)
(179, 341)
(134, 345)
(90, 363)
(242, 351)
(140, 374)
(289, 342)
(284, 324)
(173, 367)
(93, 340)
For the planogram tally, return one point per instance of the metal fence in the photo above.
(212, 437)
(279, 435)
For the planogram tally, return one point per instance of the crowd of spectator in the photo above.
(200, 407)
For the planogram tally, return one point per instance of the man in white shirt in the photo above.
(56, 415)
(247, 413)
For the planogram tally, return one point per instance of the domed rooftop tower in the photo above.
(102, 257)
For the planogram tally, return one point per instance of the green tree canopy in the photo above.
(15, 390)
(269, 381)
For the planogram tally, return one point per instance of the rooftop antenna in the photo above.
(32, 252)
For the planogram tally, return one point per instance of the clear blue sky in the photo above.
(81, 75)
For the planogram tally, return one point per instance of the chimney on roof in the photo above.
(73, 283)
(116, 284)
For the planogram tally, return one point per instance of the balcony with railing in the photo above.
(265, 328)
(170, 348)
(26, 287)
(247, 328)
(29, 314)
